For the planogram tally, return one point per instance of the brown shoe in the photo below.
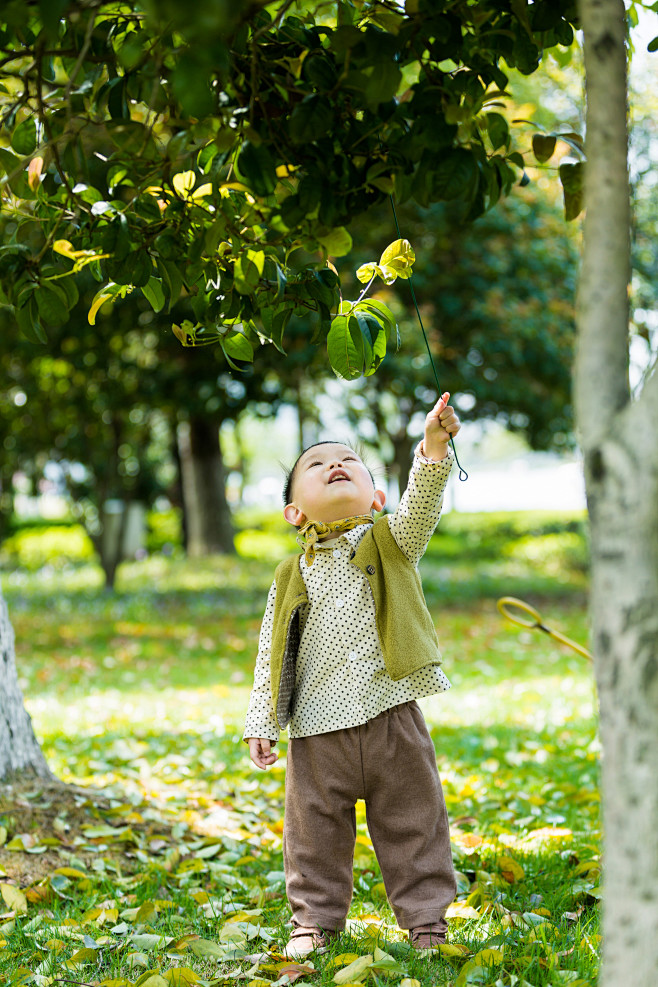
(305, 940)
(428, 936)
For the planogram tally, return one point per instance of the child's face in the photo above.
(331, 482)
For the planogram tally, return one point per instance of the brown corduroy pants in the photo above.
(389, 762)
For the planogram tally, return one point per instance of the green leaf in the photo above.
(572, 178)
(337, 242)
(543, 146)
(24, 136)
(374, 340)
(154, 294)
(248, 271)
(52, 304)
(237, 346)
(16, 174)
(311, 119)
(455, 175)
(172, 280)
(27, 317)
(653, 45)
(345, 347)
(257, 168)
(498, 130)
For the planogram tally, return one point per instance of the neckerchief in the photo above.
(311, 531)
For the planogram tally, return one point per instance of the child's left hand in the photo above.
(441, 424)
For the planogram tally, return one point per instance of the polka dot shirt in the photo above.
(341, 677)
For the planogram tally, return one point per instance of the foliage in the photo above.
(178, 866)
(219, 151)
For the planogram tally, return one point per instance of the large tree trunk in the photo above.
(620, 445)
(207, 514)
(20, 754)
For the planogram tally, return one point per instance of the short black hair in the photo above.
(290, 473)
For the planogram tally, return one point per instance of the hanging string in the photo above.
(463, 475)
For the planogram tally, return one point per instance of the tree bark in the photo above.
(20, 753)
(619, 438)
(208, 517)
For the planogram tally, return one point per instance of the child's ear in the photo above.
(379, 500)
(293, 515)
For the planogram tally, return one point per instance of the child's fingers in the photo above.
(261, 753)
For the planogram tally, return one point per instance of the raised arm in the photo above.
(418, 512)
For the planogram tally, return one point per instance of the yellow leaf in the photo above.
(180, 976)
(146, 913)
(81, 957)
(201, 897)
(366, 272)
(468, 840)
(488, 956)
(454, 949)
(587, 866)
(151, 979)
(458, 909)
(202, 191)
(548, 833)
(342, 960)
(3, 943)
(356, 971)
(64, 247)
(69, 872)
(409, 982)
(399, 256)
(14, 898)
(510, 869)
(285, 170)
(99, 300)
(57, 945)
(113, 982)
(183, 182)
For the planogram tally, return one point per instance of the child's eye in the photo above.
(317, 463)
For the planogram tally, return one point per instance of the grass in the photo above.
(174, 873)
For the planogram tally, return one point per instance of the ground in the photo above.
(160, 861)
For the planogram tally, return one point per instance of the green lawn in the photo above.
(175, 874)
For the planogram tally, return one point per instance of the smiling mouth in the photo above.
(338, 476)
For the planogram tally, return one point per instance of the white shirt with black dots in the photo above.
(341, 677)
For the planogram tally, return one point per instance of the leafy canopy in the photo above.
(218, 151)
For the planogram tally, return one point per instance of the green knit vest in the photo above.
(404, 626)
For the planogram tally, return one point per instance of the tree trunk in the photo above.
(208, 517)
(620, 446)
(20, 753)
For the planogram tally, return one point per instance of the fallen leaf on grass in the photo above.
(510, 869)
(293, 971)
(151, 978)
(457, 949)
(355, 971)
(181, 976)
(342, 960)
(14, 898)
(459, 909)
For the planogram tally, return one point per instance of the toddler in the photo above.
(347, 646)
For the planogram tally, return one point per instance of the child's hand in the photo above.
(260, 751)
(440, 424)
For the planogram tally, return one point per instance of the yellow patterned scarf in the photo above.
(311, 531)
